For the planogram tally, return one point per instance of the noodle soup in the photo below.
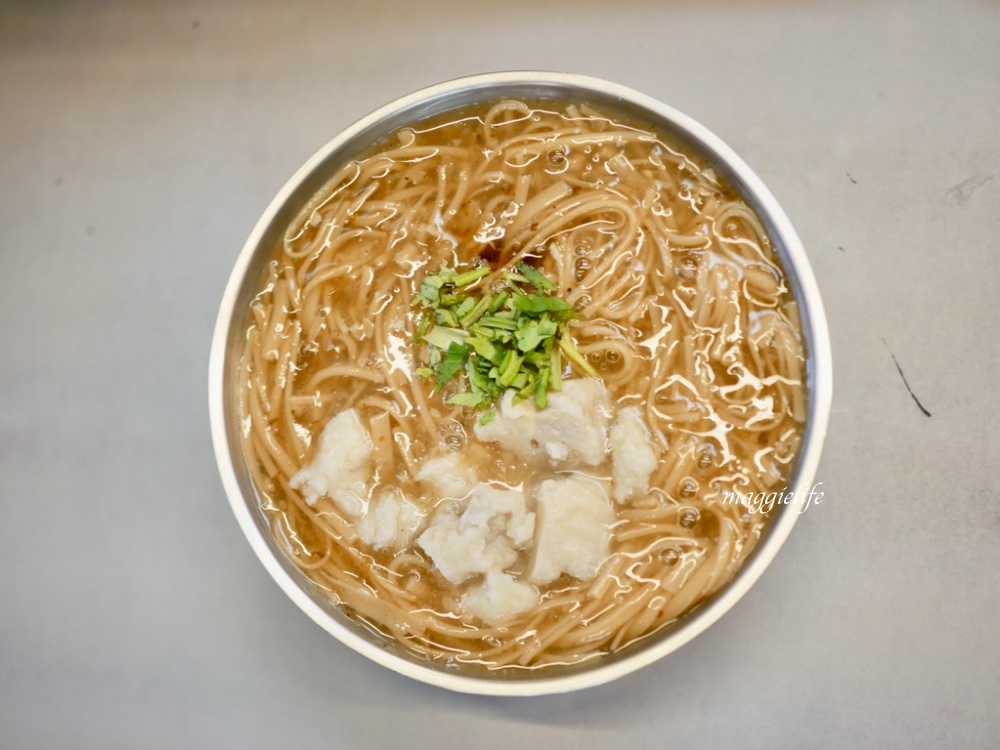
(528, 530)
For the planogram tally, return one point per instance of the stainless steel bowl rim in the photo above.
(819, 369)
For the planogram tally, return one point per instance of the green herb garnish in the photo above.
(512, 336)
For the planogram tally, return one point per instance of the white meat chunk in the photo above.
(574, 528)
(485, 537)
(391, 520)
(342, 466)
(499, 598)
(448, 476)
(633, 457)
(570, 431)
(501, 510)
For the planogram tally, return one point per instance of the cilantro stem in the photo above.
(566, 344)
(469, 277)
(477, 311)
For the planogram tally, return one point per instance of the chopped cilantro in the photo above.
(443, 337)
(471, 400)
(537, 279)
(536, 305)
(570, 350)
(464, 279)
(513, 336)
(454, 358)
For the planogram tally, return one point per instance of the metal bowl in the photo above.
(228, 341)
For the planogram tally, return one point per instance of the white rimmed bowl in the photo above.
(230, 326)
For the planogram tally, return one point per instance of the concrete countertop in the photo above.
(141, 141)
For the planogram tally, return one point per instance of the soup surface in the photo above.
(509, 536)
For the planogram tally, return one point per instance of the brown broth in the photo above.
(684, 311)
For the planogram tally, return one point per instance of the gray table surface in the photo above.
(140, 141)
